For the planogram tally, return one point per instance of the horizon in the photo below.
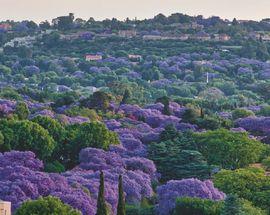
(120, 9)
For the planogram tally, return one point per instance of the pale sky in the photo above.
(39, 10)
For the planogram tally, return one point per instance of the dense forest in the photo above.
(166, 116)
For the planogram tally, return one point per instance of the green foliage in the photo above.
(79, 136)
(266, 163)
(85, 112)
(10, 93)
(126, 97)
(46, 206)
(28, 136)
(265, 110)
(209, 123)
(95, 134)
(139, 210)
(241, 113)
(197, 206)
(101, 203)
(121, 210)
(228, 149)
(174, 162)
(169, 133)
(55, 129)
(22, 111)
(55, 167)
(191, 115)
(99, 101)
(251, 184)
(2, 139)
(232, 205)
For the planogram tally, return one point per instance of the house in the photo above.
(5, 26)
(182, 37)
(21, 41)
(222, 37)
(202, 36)
(90, 57)
(265, 38)
(136, 58)
(5, 208)
(152, 37)
(127, 33)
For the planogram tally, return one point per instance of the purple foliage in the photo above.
(173, 189)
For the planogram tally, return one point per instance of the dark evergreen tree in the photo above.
(121, 210)
(126, 97)
(101, 203)
(232, 206)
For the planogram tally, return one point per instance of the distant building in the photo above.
(152, 37)
(90, 57)
(5, 208)
(265, 38)
(202, 36)
(158, 37)
(222, 37)
(5, 26)
(135, 58)
(127, 33)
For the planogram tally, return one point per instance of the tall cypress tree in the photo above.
(101, 204)
(121, 210)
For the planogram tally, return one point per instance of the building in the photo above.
(222, 37)
(5, 26)
(5, 208)
(181, 37)
(266, 38)
(127, 33)
(90, 57)
(135, 58)
(202, 36)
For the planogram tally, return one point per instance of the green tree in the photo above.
(30, 136)
(22, 111)
(251, 184)
(93, 134)
(174, 162)
(191, 115)
(232, 206)
(126, 97)
(101, 203)
(99, 101)
(197, 206)
(241, 113)
(46, 206)
(169, 133)
(228, 149)
(121, 210)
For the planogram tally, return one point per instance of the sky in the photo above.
(40, 10)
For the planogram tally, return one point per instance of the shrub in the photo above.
(241, 113)
(46, 206)
(195, 206)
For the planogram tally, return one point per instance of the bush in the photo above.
(197, 206)
(55, 167)
(241, 113)
(228, 149)
(266, 163)
(138, 210)
(251, 184)
(46, 206)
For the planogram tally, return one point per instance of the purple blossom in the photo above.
(173, 189)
